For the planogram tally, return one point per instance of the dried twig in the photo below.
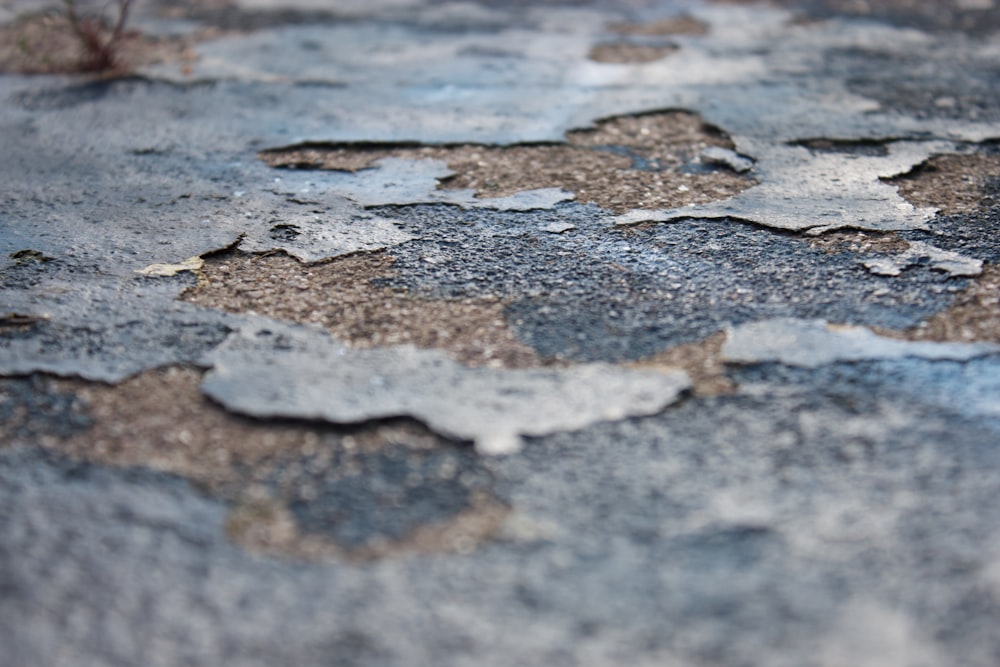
(100, 44)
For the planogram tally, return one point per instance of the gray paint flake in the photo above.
(106, 330)
(275, 370)
(950, 262)
(814, 193)
(310, 226)
(729, 158)
(396, 181)
(814, 343)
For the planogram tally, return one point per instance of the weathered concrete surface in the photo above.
(830, 501)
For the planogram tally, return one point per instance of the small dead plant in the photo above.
(101, 43)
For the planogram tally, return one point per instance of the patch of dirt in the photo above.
(974, 315)
(159, 419)
(623, 53)
(265, 525)
(859, 242)
(342, 297)
(677, 25)
(294, 486)
(44, 43)
(623, 163)
(954, 184)
(702, 361)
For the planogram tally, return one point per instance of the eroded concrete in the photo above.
(159, 420)
(773, 513)
(652, 160)
(343, 297)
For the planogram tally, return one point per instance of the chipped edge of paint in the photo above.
(811, 343)
(166, 270)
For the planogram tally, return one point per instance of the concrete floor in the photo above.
(433, 333)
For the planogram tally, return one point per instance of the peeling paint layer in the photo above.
(662, 159)
(396, 181)
(277, 371)
(813, 343)
(308, 220)
(806, 192)
(952, 263)
(101, 330)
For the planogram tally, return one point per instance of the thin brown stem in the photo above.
(100, 53)
(123, 10)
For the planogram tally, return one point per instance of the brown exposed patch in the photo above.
(160, 420)
(621, 164)
(623, 53)
(702, 361)
(859, 242)
(262, 524)
(974, 315)
(677, 25)
(952, 183)
(44, 43)
(341, 297)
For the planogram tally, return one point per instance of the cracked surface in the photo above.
(702, 362)
(342, 296)
(755, 422)
(973, 316)
(311, 376)
(326, 492)
(954, 184)
(622, 164)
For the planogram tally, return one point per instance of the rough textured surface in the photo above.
(408, 491)
(599, 294)
(343, 297)
(662, 159)
(101, 329)
(688, 560)
(973, 316)
(954, 184)
(187, 493)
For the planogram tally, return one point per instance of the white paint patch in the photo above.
(814, 193)
(814, 343)
(397, 181)
(276, 370)
(952, 263)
